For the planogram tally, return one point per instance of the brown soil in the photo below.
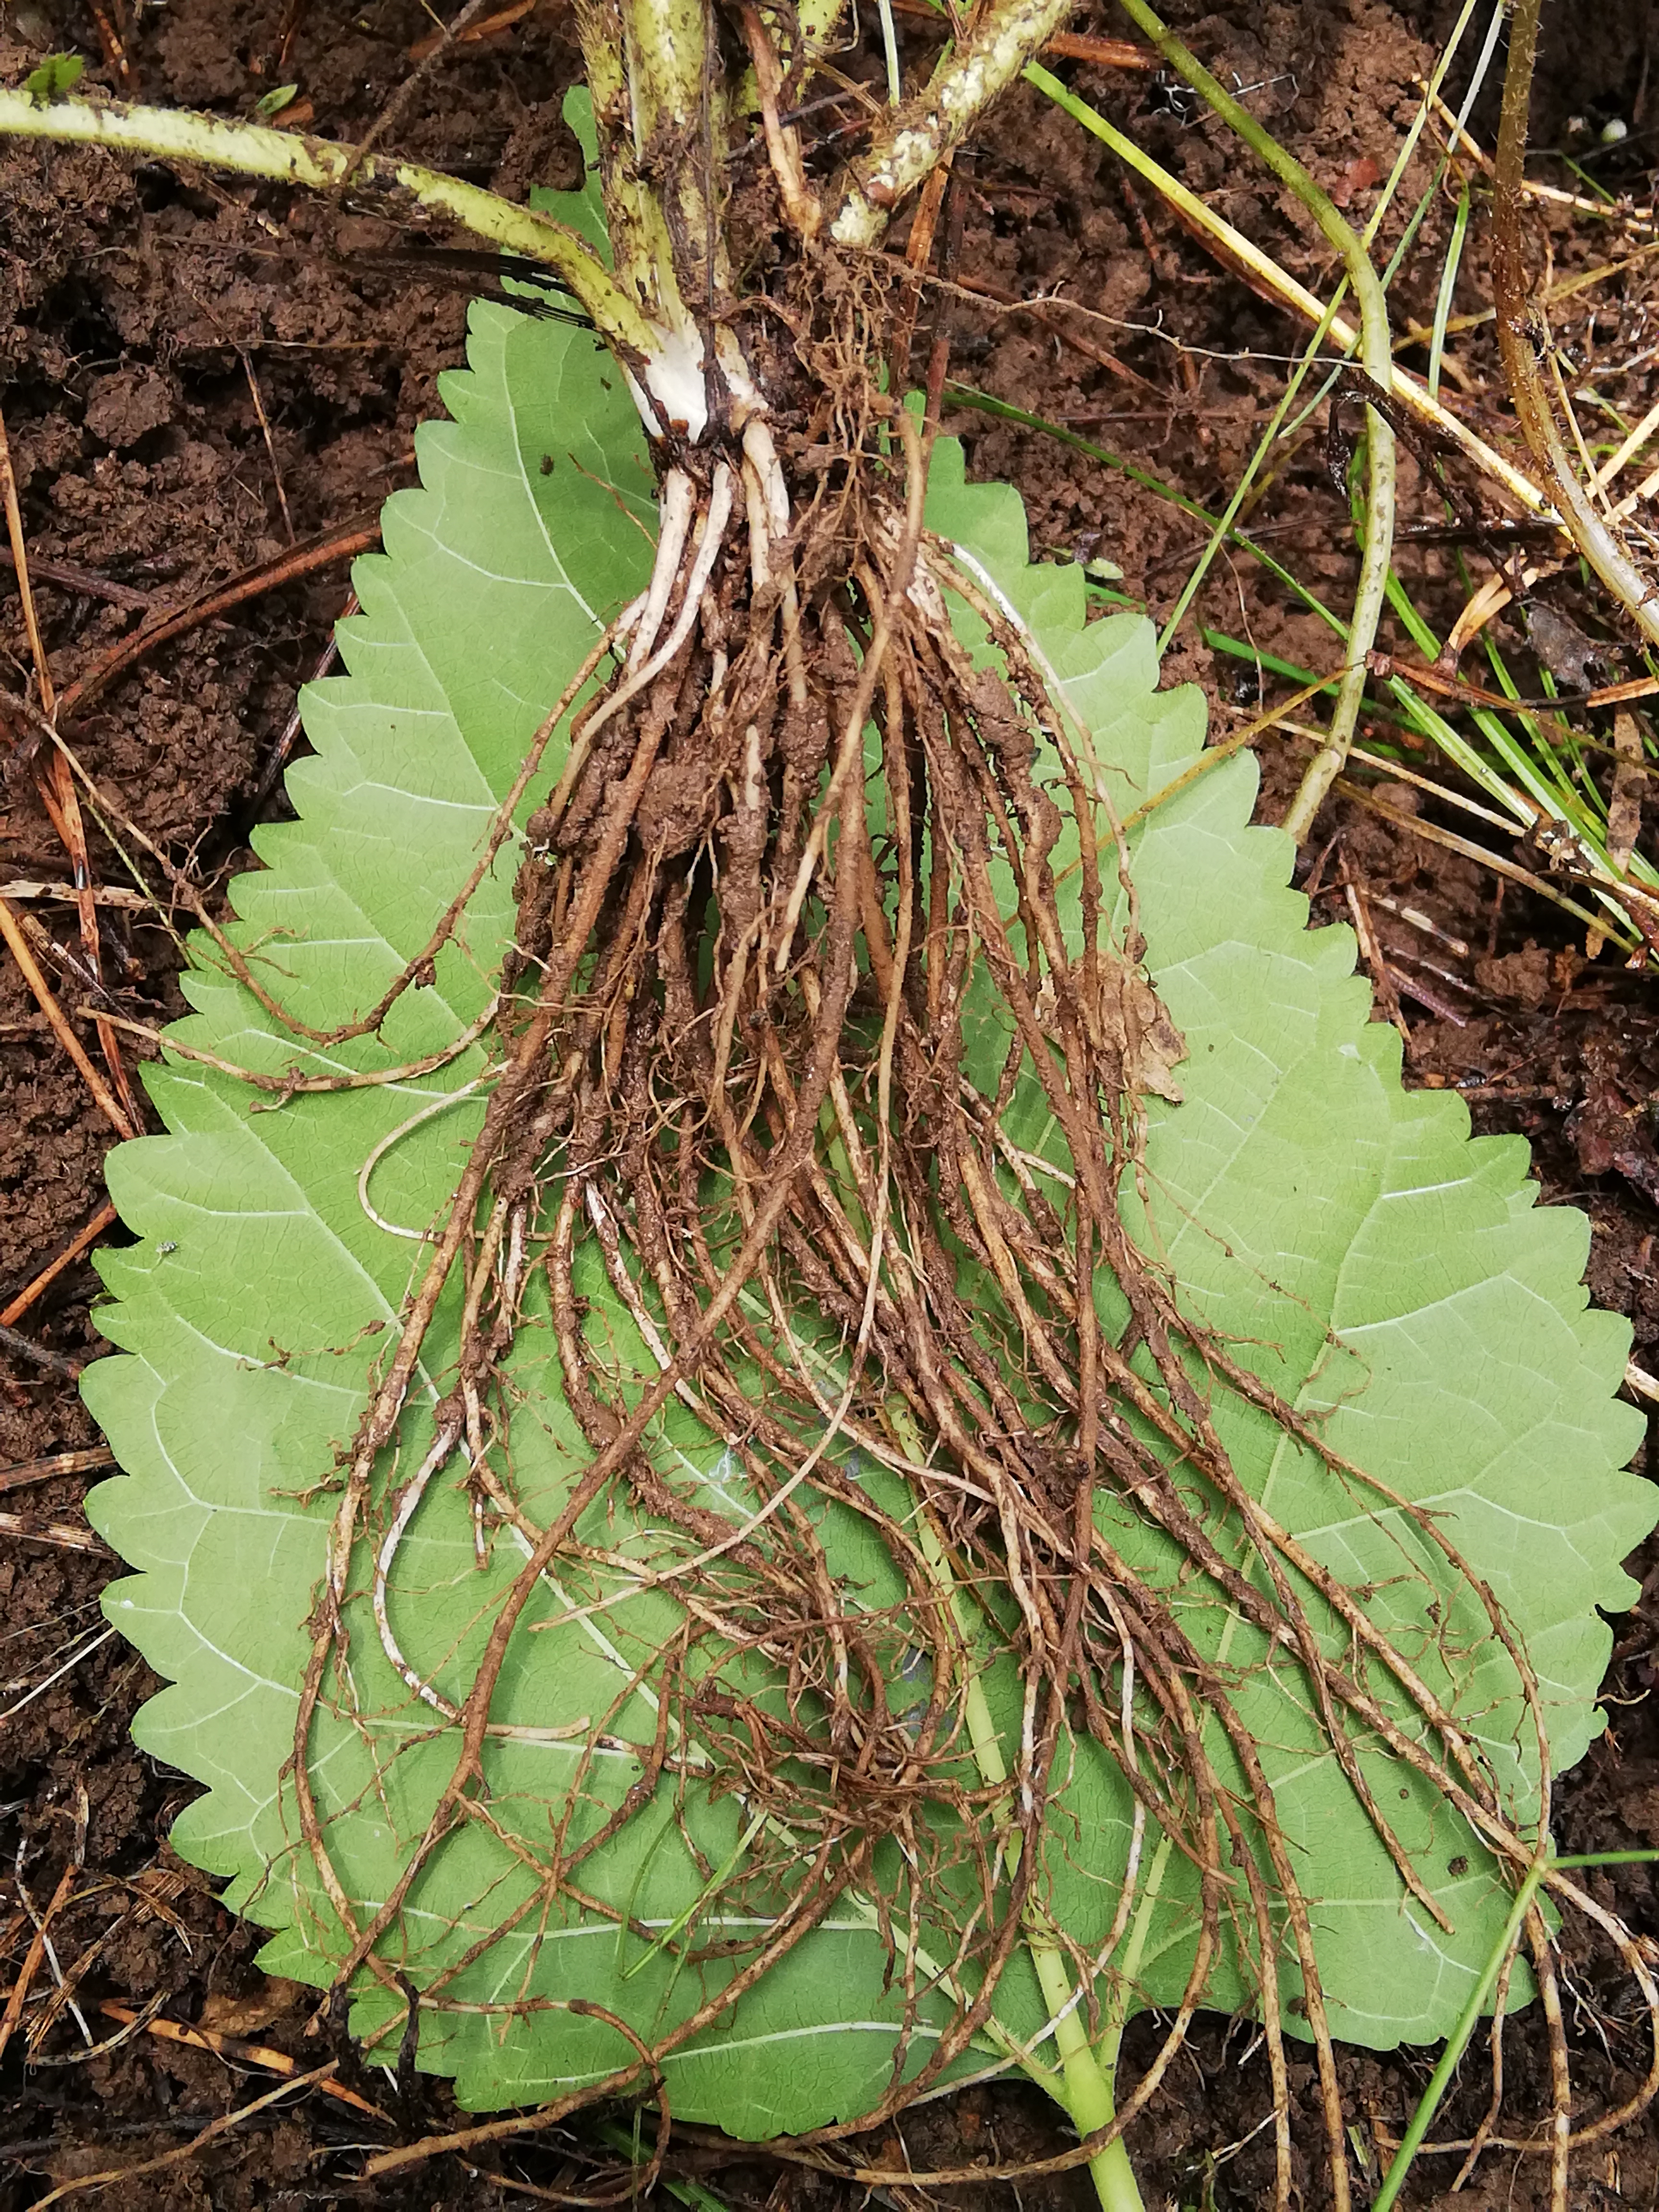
(193, 374)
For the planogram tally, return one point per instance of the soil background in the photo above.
(198, 377)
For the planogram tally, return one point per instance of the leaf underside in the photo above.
(1388, 1276)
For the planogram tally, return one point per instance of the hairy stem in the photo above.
(288, 158)
(915, 137)
(679, 143)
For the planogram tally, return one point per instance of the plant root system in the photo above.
(735, 1059)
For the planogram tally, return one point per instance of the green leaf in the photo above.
(584, 209)
(1382, 1272)
(273, 101)
(1377, 1268)
(53, 78)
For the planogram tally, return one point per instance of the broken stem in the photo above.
(287, 157)
(915, 138)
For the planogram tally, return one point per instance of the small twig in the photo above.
(185, 2152)
(56, 786)
(1103, 53)
(1070, 46)
(398, 106)
(63, 806)
(1456, 946)
(288, 30)
(110, 40)
(270, 775)
(25, 891)
(65, 2000)
(270, 449)
(104, 1218)
(1371, 952)
(918, 252)
(1412, 987)
(1434, 835)
(71, 579)
(11, 931)
(800, 202)
(345, 540)
(95, 1456)
(25, 1528)
(242, 2054)
(1038, 309)
(99, 2050)
(20, 567)
(1474, 695)
(37, 1951)
(23, 1347)
(469, 34)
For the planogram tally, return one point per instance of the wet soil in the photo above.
(198, 378)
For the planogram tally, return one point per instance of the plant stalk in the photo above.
(915, 138)
(1524, 341)
(1089, 2085)
(639, 238)
(677, 144)
(288, 157)
(1315, 344)
(1263, 270)
(1429, 2103)
(1376, 352)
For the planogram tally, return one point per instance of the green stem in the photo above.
(1230, 514)
(1376, 350)
(964, 395)
(1315, 343)
(1429, 2103)
(1523, 337)
(633, 216)
(1443, 305)
(913, 139)
(679, 144)
(890, 54)
(1088, 2084)
(1411, 393)
(680, 2187)
(288, 157)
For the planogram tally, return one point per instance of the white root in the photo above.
(407, 1506)
(677, 506)
(713, 536)
(429, 1112)
(768, 498)
(403, 1512)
